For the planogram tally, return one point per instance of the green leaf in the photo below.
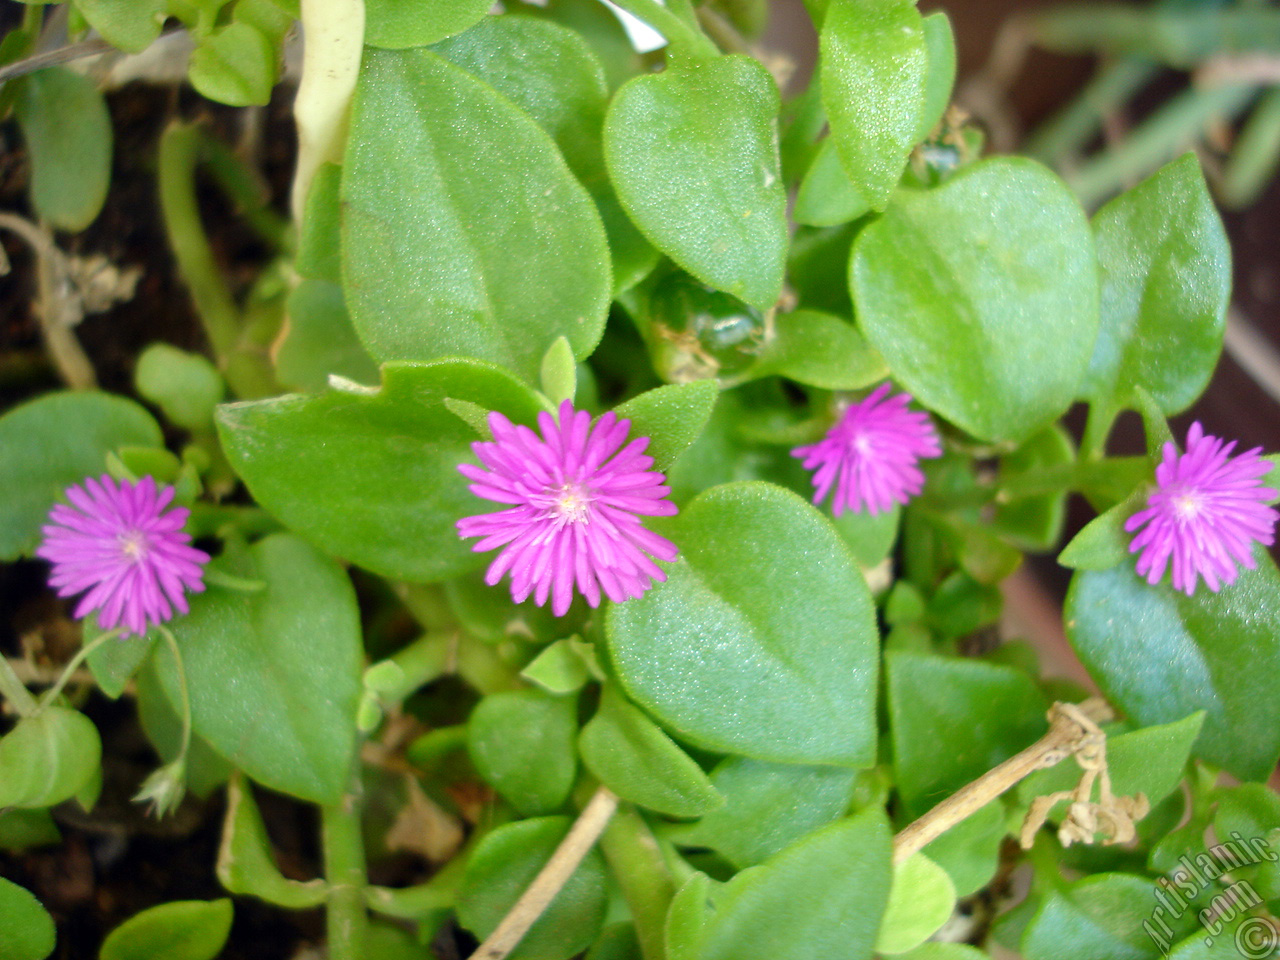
(522, 745)
(115, 662)
(1103, 542)
(372, 476)
(319, 254)
(560, 668)
(185, 386)
(953, 720)
(129, 25)
(274, 675)
(205, 769)
(1247, 827)
(773, 910)
(503, 865)
(235, 65)
(1099, 916)
(944, 951)
(875, 64)
(245, 862)
(631, 756)
(320, 341)
(1150, 760)
(551, 73)
(940, 44)
(464, 233)
(786, 633)
(998, 264)
(67, 129)
(1165, 267)
(617, 942)
(26, 929)
(181, 930)
(869, 537)
(1035, 522)
(395, 24)
(47, 758)
(767, 806)
(687, 918)
(693, 154)
(671, 417)
(820, 350)
(827, 197)
(559, 375)
(20, 829)
(970, 850)
(921, 900)
(51, 443)
(1161, 655)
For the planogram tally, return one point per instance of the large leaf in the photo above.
(53, 442)
(1161, 655)
(48, 757)
(823, 896)
(1165, 268)
(693, 154)
(26, 929)
(521, 742)
(274, 674)
(1099, 916)
(68, 132)
(875, 62)
(372, 476)
(412, 23)
(786, 633)
(997, 266)
(464, 232)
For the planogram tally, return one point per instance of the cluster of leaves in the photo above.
(524, 214)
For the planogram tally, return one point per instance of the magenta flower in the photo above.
(119, 543)
(1204, 515)
(576, 494)
(870, 455)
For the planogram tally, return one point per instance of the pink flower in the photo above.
(576, 494)
(870, 455)
(1204, 515)
(119, 543)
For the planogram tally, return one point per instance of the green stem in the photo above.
(346, 917)
(670, 25)
(51, 694)
(214, 577)
(246, 192)
(1097, 428)
(1253, 159)
(179, 151)
(15, 691)
(183, 693)
(637, 864)
(1065, 134)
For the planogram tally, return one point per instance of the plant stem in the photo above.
(637, 864)
(551, 879)
(183, 692)
(1064, 135)
(82, 654)
(670, 25)
(1097, 428)
(344, 867)
(15, 691)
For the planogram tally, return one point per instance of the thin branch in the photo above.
(580, 839)
(54, 58)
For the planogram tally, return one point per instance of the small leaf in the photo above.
(67, 129)
(558, 669)
(26, 929)
(47, 758)
(921, 900)
(693, 154)
(940, 44)
(820, 350)
(115, 662)
(522, 743)
(631, 756)
(129, 25)
(503, 865)
(235, 65)
(874, 68)
(182, 930)
(970, 850)
(559, 374)
(185, 386)
(826, 196)
(671, 417)
(395, 24)
(1103, 542)
(1099, 916)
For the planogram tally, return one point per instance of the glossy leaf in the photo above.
(522, 743)
(395, 24)
(67, 129)
(372, 476)
(998, 264)
(671, 417)
(26, 929)
(693, 155)
(1160, 655)
(503, 865)
(767, 806)
(921, 900)
(772, 910)
(274, 675)
(182, 930)
(47, 757)
(789, 625)
(874, 70)
(629, 754)
(53, 442)
(953, 720)
(1165, 268)
(245, 862)
(464, 233)
(820, 350)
